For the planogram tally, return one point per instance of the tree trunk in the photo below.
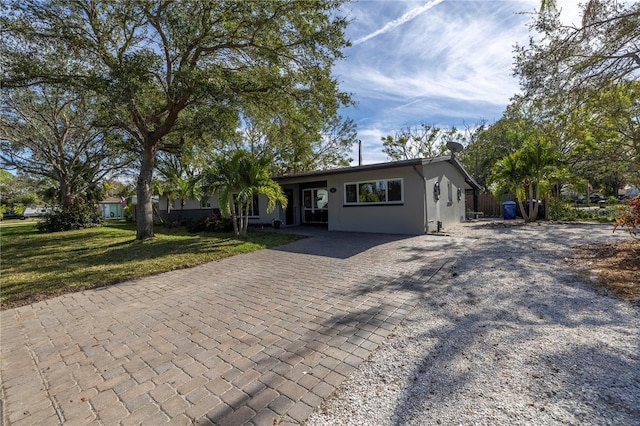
(524, 212)
(144, 209)
(182, 203)
(155, 210)
(615, 187)
(245, 219)
(234, 217)
(66, 197)
(241, 216)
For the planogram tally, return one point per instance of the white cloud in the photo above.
(408, 16)
(442, 55)
(570, 12)
(446, 65)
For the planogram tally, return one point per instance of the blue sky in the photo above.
(442, 62)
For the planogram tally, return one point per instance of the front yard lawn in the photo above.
(36, 266)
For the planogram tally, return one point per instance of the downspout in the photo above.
(425, 197)
(475, 198)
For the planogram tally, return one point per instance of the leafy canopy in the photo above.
(423, 141)
(584, 82)
(567, 59)
(162, 65)
(55, 134)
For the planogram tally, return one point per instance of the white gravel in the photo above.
(513, 335)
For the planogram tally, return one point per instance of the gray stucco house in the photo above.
(402, 197)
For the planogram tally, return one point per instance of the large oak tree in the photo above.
(565, 60)
(584, 81)
(53, 133)
(155, 61)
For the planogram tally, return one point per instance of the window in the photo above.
(205, 203)
(387, 191)
(254, 207)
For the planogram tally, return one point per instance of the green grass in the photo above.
(35, 265)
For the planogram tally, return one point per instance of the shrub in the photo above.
(629, 217)
(77, 216)
(217, 223)
(560, 210)
(191, 227)
(612, 201)
(213, 223)
(128, 211)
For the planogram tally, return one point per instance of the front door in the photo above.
(315, 205)
(288, 213)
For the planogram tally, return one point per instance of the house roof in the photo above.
(389, 165)
(110, 200)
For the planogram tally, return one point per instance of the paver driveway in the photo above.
(259, 338)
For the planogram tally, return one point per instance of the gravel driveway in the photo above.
(512, 336)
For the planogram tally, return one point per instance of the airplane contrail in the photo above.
(413, 13)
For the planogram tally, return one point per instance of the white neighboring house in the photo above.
(403, 197)
(112, 208)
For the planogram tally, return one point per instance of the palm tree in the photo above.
(176, 181)
(508, 175)
(236, 180)
(223, 178)
(528, 173)
(542, 161)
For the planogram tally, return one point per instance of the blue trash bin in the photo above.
(509, 209)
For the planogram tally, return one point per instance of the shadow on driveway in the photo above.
(335, 244)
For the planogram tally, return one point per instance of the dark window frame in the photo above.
(375, 191)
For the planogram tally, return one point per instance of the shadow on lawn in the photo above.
(82, 267)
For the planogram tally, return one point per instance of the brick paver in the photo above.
(260, 338)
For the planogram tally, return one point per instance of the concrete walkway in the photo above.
(260, 338)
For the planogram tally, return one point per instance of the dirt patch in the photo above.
(615, 266)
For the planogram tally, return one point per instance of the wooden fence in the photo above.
(487, 203)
